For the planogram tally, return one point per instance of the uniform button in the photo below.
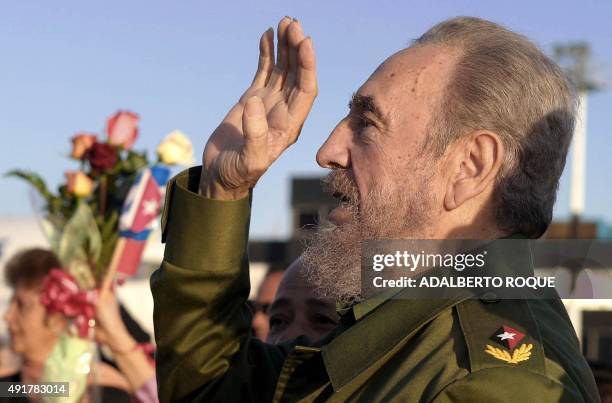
(490, 297)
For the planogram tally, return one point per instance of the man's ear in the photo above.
(474, 163)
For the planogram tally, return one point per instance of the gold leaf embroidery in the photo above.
(522, 353)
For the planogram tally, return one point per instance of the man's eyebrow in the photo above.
(317, 303)
(366, 103)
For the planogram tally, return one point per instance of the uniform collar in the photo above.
(376, 327)
(358, 311)
(380, 327)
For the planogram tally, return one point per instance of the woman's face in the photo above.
(30, 328)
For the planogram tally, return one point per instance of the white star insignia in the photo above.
(506, 335)
(149, 207)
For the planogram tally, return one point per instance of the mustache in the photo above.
(340, 184)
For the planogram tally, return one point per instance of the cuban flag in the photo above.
(138, 217)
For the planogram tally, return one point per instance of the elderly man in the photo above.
(462, 135)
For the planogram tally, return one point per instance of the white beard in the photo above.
(332, 257)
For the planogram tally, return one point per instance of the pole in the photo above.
(578, 174)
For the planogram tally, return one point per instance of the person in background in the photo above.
(265, 296)
(34, 332)
(133, 361)
(298, 311)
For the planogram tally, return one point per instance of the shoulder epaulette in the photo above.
(501, 333)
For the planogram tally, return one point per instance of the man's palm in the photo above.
(267, 119)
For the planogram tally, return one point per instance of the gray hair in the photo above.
(503, 83)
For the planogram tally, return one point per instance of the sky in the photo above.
(67, 65)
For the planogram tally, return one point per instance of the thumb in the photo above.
(255, 126)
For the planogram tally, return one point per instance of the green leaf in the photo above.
(134, 161)
(39, 184)
(52, 230)
(109, 226)
(80, 245)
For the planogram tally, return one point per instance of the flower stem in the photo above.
(102, 190)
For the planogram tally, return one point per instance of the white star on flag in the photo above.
(506, 335)
(149, 207)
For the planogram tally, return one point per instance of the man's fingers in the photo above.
(266, 59)
(295, 36)
(307, 69)
(303, 94)
(280, 69)
(255, 126)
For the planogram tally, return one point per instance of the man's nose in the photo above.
(292, 331)
(335, 152)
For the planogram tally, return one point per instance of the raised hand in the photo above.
(110, 329)
(267, 119)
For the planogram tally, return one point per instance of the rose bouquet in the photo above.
(81, 220)
(97, 223)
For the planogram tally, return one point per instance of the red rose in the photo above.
(122, 129)
(102, 157)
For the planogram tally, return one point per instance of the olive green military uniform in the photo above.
(383, 350)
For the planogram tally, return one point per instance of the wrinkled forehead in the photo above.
(411, 80)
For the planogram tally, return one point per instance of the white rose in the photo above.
(176, 149)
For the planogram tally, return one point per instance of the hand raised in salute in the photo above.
(268, 117)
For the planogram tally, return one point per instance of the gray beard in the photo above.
(332, 258)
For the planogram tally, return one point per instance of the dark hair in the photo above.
(29, 267)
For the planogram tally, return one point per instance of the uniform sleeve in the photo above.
(202, 325)
(506, 385)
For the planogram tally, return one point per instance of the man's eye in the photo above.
(277, 322)
(324, 320)
(365, 122)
